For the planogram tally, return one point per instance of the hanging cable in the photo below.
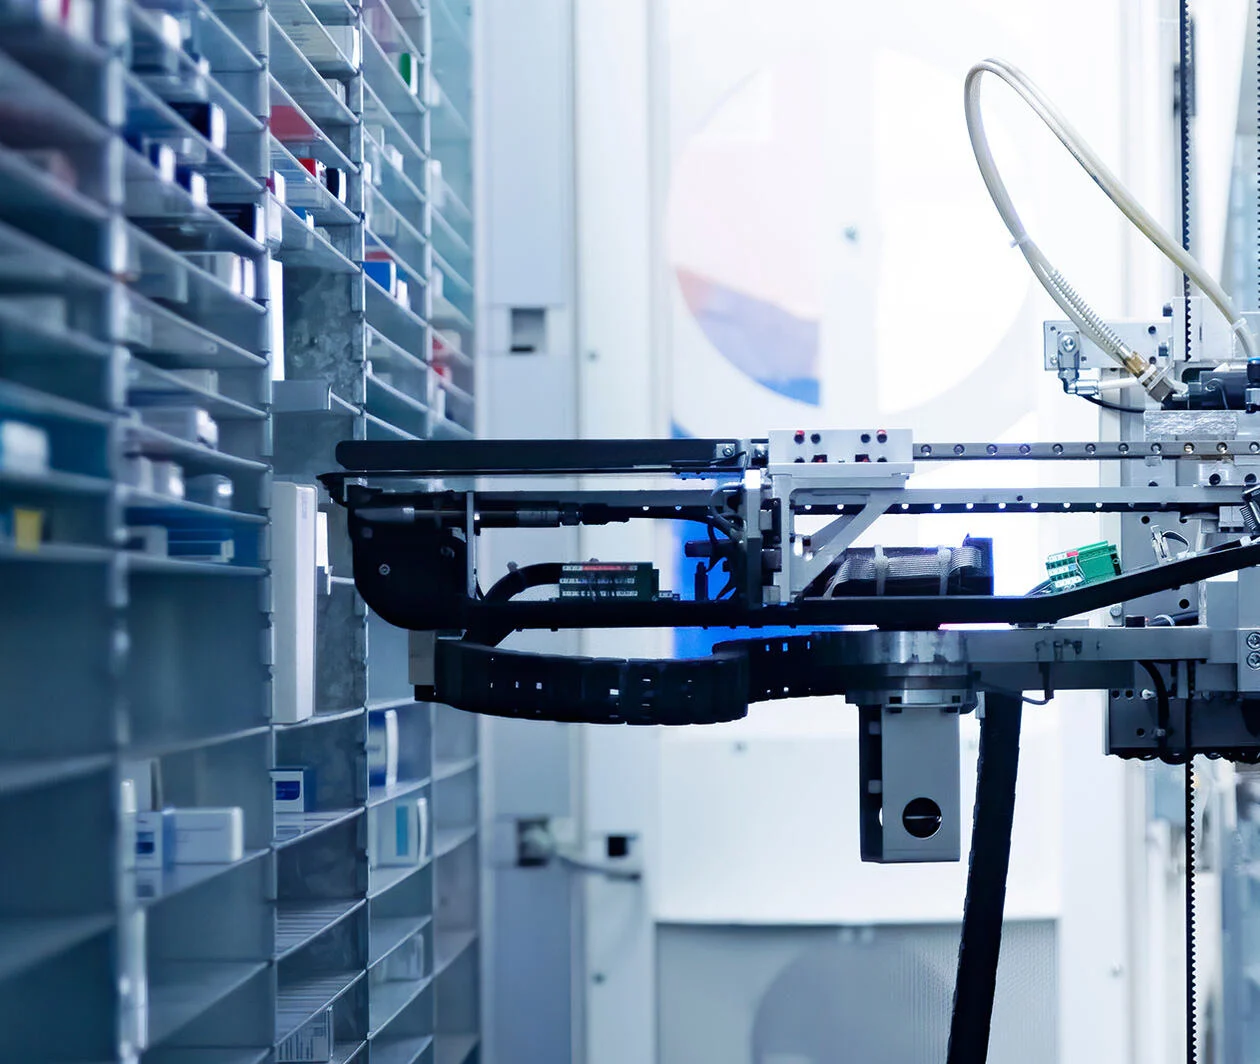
(1113, 406)
(1106, 404)
(1154, 380)
(1192, 1041)
(981, 941)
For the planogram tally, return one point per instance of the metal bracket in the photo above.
(837, 536)
(908, 762)
(538, 845)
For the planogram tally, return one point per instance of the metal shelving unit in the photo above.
(255, 209)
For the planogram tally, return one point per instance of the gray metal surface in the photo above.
(916, 787)
(1101, 450)
(773, 995)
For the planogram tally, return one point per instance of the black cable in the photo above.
(1018, 694)
(523, 577)
(1114, 406)
(714, 550)
(1104, 403)
(1192, 1050)
(1161, 698)
(1161, 695)
(1215, 384)
(981, 941)
(1173, 620)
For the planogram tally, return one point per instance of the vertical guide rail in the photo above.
(1185, 111)
(986, 880)
(1185, 101)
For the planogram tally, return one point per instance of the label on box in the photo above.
(154, 838)
(293, 789)
(310, 1044)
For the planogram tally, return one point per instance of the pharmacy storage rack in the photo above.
(232, 232)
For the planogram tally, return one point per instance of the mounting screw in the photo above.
(1253, 660)
(384, 569)
(727, 451)
(1117, 610)
(1253, 640)
(1068, 344)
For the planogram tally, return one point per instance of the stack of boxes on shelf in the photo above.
(222, 222)
(398, 831)
(23, 454)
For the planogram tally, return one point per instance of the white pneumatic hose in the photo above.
(1081, 314)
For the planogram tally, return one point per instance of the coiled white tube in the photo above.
(1075, 307)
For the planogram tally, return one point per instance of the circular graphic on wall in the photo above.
(832, 251)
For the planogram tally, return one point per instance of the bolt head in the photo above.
(1253, 640)
(1068, 344)
(1253, 660)
(1116, 610)
(727, 451)
(384, 569)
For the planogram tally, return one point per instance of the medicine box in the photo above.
(148, 539)
(210, 489)
(275, 295)
(155, 838)
(189, 423)
(23, 448)
(384, 272)
(168, 477)
(397, 835)
(293, 537)
(127, 810)
(348, 42)
(233, 271)
(422, 827)
(335, 181)
(294, 789)
(208, 836)
(208, 119)
(194, 183)
(382, 748)
(277, 186)
(23, 526)
(137, 470)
